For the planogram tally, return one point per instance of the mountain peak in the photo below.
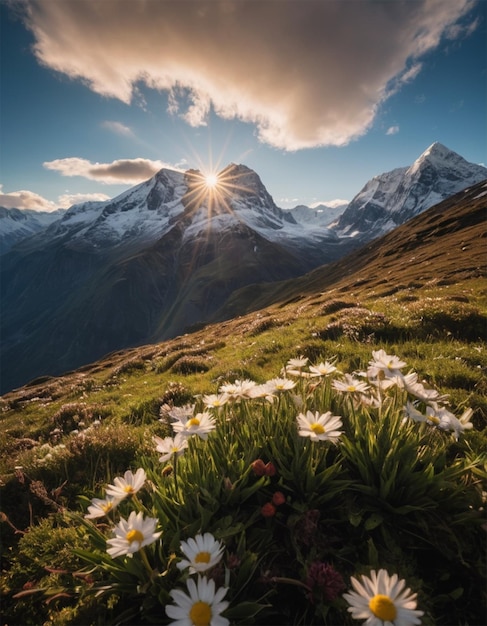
(438, 156)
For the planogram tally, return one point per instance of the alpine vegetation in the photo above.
(317, 497)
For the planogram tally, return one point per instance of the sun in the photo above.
(211, 180)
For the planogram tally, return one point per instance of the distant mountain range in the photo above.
(168, 254)
(18, 224)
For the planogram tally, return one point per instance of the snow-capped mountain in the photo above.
(321, 215)
(145, 266)
(168, 253)
(17, 224)
(392, 198)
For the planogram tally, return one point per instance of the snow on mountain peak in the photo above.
(392, 198)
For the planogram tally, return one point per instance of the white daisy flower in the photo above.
(215, 401)
(170, 447)
(99, 508)
(384, 364)
(201, 424)
(323, 369)
(383, 600)
(202, 607)
(202, 553)
(297, 363)
(239, 389)
(132, 534)
(319, 427)
(350, 385)
(128, 485)
(277, 385)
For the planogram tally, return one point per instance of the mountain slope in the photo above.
(394, 197)
(436, 260)
(444, 243)
(147, 265)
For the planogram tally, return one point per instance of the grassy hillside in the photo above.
(405, 496)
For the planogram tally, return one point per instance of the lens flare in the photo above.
(211, 180)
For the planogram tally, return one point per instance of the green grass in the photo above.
(45, 468)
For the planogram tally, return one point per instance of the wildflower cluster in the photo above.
(261, 501)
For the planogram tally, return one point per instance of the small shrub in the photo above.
(190, 365)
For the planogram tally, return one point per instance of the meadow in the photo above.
(290, 509)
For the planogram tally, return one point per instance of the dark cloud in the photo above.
(122, 171)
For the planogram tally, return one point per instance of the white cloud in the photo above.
(305, 73)
(68, 199)
(30, 200)
(122, 171)
(118, 128)
(25, 200)
(392, 130)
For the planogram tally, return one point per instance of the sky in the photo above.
(316, 96)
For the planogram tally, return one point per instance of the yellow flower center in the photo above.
(107, 506)
(383, 608)
(351, 388)
(134, 535)
(434, 419)
(200, 614)
(129, 489)
(202, 557)
(317, 428)
(194, 421)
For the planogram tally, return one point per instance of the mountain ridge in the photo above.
(381, 270)
(98, 280)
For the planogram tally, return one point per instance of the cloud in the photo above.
(122, 171)
(305, 73)
(68, 199)
(30, 200)
(25, 200)
(392, 130)
(118, 128)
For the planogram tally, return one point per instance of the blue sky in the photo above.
(317, 96)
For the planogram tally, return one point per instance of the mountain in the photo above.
(17, 224)
(444, 245)
(173, 253)
(440, 252)
(394, 197)
(321, 215)
(147, 265)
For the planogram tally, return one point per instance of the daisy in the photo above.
(99, 508)
(170, 447)
(202, 552)
(128, 485)
(319, 427)
(276, 385)
(177, 412)
(294, 367)
(383, 600)
(215, 401)
(323, 369)
(201, 424)
(202, 607)
(239, 389)
(350, 385)
(133, 534)
(297, 363)
(384, 364)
